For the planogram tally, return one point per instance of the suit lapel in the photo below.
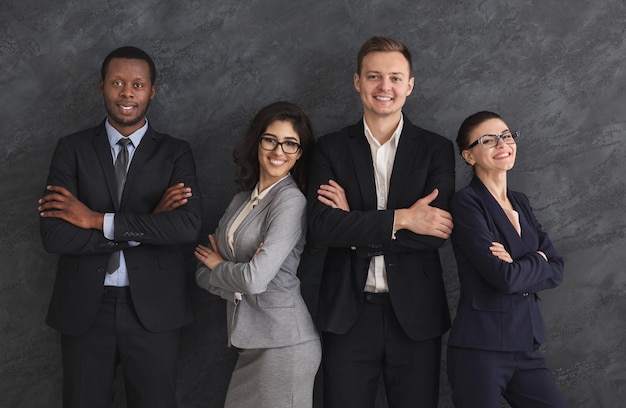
(239, 201)
(144, 151)
(363, 166)
(405, 155)
(262, 205)
(258, 210)
(103, 151)
(514, 243)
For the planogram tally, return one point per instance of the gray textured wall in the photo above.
(553, 69)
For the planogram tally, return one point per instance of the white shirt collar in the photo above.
(395, 136)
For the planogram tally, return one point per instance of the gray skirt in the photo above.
(279, 377)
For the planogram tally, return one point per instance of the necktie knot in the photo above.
(124, 142)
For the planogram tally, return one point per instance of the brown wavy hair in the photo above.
(246, 153)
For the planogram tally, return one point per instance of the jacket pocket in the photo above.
(274, 300)
(491, 302)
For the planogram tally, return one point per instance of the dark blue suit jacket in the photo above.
(82, 163)
(498, 307)
(424, 161)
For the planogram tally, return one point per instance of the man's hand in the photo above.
(423, 219)
(333, 195)
(60, 203)
(174, 197)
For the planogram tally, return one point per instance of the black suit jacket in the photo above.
(423, 161)
(498, 309)
(82, 163)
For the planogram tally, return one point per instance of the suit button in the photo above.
(525, 294)
(102, 270)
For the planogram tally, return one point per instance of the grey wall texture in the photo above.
(555, 70)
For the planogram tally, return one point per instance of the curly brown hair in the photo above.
(246, 153)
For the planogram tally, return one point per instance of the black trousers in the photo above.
(353, 362)
(148, 360)
(480, 378)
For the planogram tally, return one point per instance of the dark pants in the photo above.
(480, 378)
(148, 360)
(353, 362)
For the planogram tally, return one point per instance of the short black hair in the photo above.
(129, 52)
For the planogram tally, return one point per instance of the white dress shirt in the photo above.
(383, 158)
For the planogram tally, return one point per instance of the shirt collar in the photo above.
(134, 137)
(395, 136)
(255, 193)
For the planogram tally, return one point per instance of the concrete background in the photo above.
(555, 70)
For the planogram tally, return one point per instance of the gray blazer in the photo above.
(272, 312)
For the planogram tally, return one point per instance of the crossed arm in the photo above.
(60, 203)
(68, 226)
(421, 218)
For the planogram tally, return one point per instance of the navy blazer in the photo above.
(83, 164)
(498, 307)
(424, 161)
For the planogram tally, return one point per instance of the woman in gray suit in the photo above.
(252, 259)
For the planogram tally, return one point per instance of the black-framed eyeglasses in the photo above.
(288, 146)
(489, 141)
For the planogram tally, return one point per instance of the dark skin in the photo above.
(60, 203)
(127, 82)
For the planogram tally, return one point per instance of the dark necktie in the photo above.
(121, 162)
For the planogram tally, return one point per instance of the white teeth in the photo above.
(383, 98)
(277, 162)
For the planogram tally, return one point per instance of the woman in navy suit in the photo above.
(252, 262)
(503, 258)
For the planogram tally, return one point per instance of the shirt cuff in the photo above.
(108, 227)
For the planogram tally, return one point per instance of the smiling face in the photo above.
(127, 90)
(500, 158)
(384, 83)
(276, 164)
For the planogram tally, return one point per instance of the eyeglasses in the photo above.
(288, 146)
(489, 141)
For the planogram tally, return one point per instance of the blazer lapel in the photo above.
(514, 243)
(257, 211)
(239, 201)
(405, 155)
(363, 166)
(103, 151)
(144, 151)
(260, 207)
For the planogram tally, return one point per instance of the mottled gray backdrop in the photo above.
(555, 70)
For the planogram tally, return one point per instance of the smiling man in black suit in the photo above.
(378, 201)
(121, 200)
